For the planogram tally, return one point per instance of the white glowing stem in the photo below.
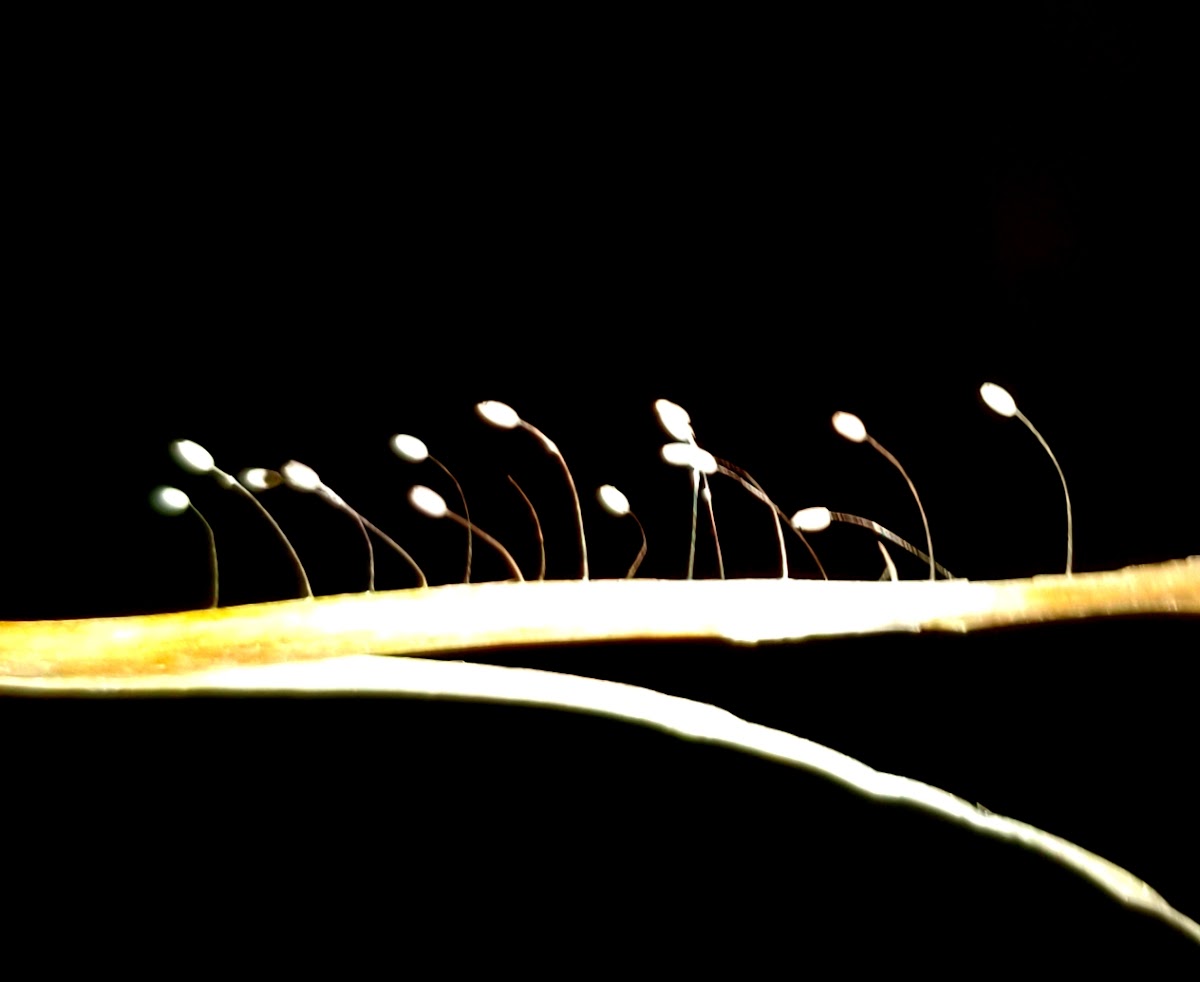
(684, 718)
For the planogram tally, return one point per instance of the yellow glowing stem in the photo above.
(446, 621)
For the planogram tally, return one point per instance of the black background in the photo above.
(294, 250)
